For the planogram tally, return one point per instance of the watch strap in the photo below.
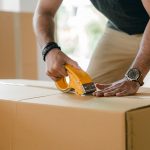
(139, 79)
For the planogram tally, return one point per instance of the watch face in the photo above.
(133, 74)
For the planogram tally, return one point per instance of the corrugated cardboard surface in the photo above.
(11, 95)
(138, 129)
(37, 83)
(7, 117)
(39, 117)
(18, 57)
(67, 128)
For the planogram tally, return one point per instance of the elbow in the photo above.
(35, 20)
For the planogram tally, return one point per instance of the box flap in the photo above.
(38, 83)
(116, 104)
(30, 91)
(20, 90)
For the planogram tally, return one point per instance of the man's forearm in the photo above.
(142, 60)
(44, 28)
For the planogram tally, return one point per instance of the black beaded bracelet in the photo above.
(49, 46)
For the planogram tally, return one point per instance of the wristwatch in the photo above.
(135, 74)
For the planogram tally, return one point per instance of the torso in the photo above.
(126, 15)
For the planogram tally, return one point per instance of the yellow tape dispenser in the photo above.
(79, 81)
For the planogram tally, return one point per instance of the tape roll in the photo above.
(63, 85)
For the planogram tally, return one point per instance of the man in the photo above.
(122, 57)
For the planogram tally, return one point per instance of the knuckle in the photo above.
(53, 78)
(56, 67)
(76, 63)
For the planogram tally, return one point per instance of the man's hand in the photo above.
(122, 87)
(55, 61)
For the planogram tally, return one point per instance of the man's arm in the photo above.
(146, 4)
(142, 62)
(43, 20)
(44, 29)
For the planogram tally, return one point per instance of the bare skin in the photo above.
(124, 87)
(43, 22)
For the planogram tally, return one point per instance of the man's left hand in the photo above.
(123, 87)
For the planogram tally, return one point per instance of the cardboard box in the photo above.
(36, 116)
(18, 47)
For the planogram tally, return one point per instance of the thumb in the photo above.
(101, 86)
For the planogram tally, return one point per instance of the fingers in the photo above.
(102, 86)
(108, 90)
(113, 88)
(98, 94)
(73, 63)
(53, 77)
(123, 88)
(123, 93)
(107, 94)
(56, 72)
(55, 65)
(116, 92)
(62, 71)
(112, 93)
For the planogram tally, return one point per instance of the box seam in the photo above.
(138, 108)
(36, 97)
(130, 133)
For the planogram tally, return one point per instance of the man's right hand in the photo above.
(55, 61)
